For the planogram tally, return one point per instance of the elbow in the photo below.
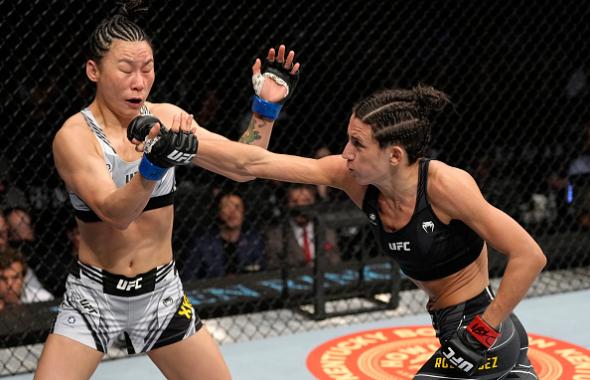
(240, 178)
(117, 223)
(541, 260)
(537, 260)
(242, 172)
(243, 179)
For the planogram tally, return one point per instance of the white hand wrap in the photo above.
(258, 81)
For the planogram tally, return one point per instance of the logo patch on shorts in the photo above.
(71, 320)
(398, 353)
(168, 301)
(126, 285)
(87, 306)
(186, 309)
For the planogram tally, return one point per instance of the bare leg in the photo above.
(65, 359)
(197, 357)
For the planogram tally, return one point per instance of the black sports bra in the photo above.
(426, 248)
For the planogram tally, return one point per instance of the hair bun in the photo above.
(429, 99)
(131, 8)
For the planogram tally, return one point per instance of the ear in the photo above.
(396, 154)
(92, 71)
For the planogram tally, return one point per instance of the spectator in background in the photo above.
(266, 202)
(294, 243)
(45, 268)
(16, 232)
(12, 276)
(20, 223)
(10, 195)
(228, 248)
(210, 105)
(22, 236)
(16, 283)
(4, 229)
(571, 184)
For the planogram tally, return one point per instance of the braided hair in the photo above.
(402, 117)
(120, 26)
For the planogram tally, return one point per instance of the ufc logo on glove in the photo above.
(180, 157)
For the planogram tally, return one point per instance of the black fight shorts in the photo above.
(506, 360)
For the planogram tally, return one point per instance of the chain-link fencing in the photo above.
(516, 72)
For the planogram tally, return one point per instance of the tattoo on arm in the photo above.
(249, 137)
(251, 133)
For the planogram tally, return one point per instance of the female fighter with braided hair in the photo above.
(125, 280)
(432, 218)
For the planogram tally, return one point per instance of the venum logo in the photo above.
(168, 301)
(428, 226)
(373, 219)
(128, 285)
(399, 246)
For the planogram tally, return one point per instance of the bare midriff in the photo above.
(142, 246)
(457, 287)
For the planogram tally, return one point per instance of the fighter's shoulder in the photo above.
(442, 174)
(446, 182)
(167, 111)
(74, 131)
(163, 110)
(75, 125)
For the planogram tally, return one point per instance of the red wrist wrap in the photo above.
(482, 332)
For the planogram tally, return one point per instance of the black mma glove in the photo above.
(468, 347)
(277, 72)
(165, 150)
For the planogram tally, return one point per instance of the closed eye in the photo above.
(356, 143)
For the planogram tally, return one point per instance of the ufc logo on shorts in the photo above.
(128, 285)
(179, 156)
(399, 246)
(457, 361)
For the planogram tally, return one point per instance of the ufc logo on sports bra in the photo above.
(179, 156)
(128, 285)
(399, 246)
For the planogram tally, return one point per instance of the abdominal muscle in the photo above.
(145, 244)
(457, 287)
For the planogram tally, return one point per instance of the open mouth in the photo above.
(136, 101)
